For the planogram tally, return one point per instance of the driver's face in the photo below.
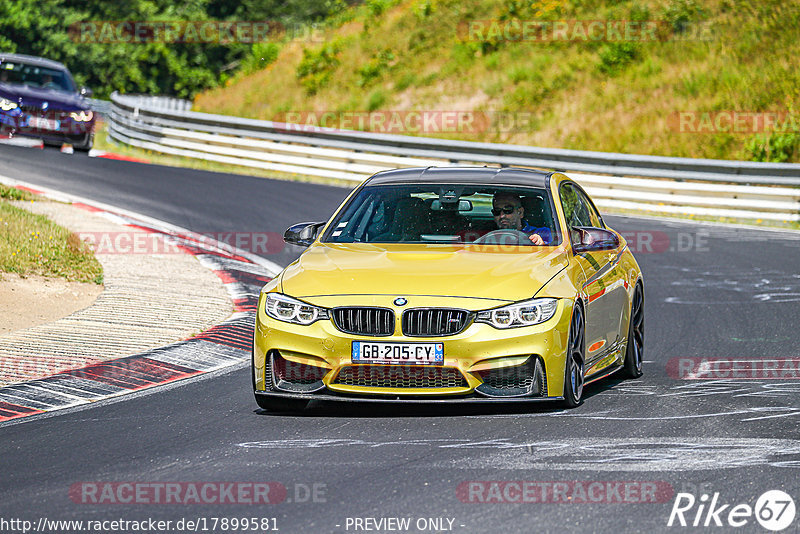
(512, 220)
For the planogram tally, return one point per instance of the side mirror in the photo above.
(85, 91)
(302, 234)
(590, 239)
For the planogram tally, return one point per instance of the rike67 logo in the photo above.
(774, 510)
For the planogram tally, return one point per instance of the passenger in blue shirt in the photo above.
(509, 214)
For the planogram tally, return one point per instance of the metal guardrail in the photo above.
(103, 107)
(164, 103)
(717, 188)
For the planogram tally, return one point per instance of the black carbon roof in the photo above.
(471, 175)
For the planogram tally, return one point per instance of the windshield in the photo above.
(446, 213)
(14, 72)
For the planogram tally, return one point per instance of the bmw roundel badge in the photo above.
(400, 301)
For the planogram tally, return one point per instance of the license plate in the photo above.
(44, 124)
(398, 353)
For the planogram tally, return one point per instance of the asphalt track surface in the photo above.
(711, 292)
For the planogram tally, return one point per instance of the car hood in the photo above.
(34, 96)
(488, 272)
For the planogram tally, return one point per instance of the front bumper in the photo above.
(55, 126)
(397, 399)
(481, 363)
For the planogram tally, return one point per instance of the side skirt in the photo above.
(603, 373)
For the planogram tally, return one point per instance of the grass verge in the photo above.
(31, 244)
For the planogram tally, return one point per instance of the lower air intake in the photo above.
(528, 379)
(295, 377)
(400, 377)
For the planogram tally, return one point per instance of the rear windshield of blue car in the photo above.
(441, 213)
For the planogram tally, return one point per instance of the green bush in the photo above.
(405, 81)
(774, 147)
(681, 13)
(614, 57)
(492, 61)
(422, 9)
(523, 73)
(640, 13)
(376, 99)
(375, 68)
(316, 67)
(694, 84)
(462, 56)
(261, 55)
(376, 8)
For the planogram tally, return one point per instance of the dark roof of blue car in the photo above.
(470, 175)
(22, 58)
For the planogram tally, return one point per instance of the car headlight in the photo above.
(525, 313)
(285, 308)
(7, 105)
(82, 116)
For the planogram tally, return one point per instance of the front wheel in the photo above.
(85, 147)
(573, 372)
(634, 352)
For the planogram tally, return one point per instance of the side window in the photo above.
(594, 217)
(576, 210)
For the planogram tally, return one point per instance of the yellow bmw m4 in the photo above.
(456, 284)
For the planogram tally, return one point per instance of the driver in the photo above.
(48, 83)
(509, 214)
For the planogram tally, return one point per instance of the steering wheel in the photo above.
(504, 236)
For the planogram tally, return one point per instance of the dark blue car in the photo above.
(39, 98)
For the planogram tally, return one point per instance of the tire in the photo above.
(573, 368)
(83, 149)
(634, 351)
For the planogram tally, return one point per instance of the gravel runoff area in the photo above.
(149, 300)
